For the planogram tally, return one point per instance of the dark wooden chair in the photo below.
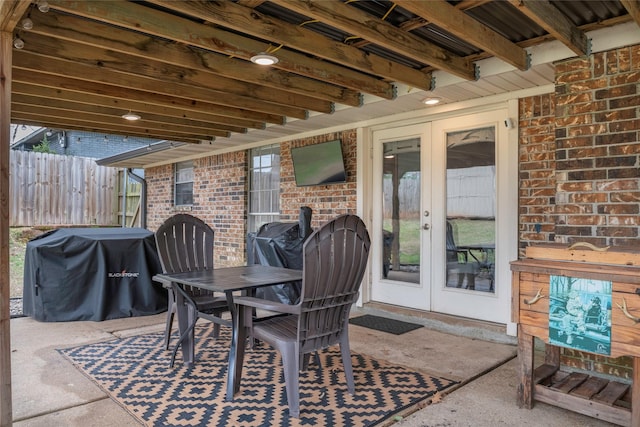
(334, 263)
(185, 243)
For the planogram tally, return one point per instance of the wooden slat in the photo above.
(6, 39)
(590, 408)
(351, 20)
(614, 256)
(465, 27)
(548, 17)
(635, 393)
(612, 392)
(572, 381)
(618, 273)
(543, 373)
(515, 297)
(525, 358)
(590, 387)
(51, 189)
(232, 15)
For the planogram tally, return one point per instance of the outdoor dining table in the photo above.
(230, 280)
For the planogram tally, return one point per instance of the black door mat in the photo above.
(392, 326)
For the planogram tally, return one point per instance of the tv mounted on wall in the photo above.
(319, 164)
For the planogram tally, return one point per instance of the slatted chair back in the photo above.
(185, 243)
(335, 260)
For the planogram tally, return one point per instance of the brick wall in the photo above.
(580, 165)
(220, 194)
(326, 201)
(537, 190)
(598, 148)
(219, 199)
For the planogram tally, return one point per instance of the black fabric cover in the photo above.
(279, 244)
(92, 274)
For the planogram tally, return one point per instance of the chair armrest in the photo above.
(165, 283)
(264, 304)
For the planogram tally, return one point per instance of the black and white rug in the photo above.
(135, 372)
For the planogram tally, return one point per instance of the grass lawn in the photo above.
(466, 232)
(18, 238)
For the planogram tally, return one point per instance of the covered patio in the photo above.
(50, 391)
(185, 72)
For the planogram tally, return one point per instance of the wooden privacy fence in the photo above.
(50, 189)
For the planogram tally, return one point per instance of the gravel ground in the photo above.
(16, 307)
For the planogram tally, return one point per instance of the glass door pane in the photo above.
(401, 211)
(471, 209)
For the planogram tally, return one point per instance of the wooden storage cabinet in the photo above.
(617, 402)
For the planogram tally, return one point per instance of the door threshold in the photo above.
(454, 325)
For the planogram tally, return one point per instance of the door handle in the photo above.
(426, 227)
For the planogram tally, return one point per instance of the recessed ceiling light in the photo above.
(432, 100)
(131, 116)
(264, 59)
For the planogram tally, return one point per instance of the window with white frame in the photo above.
(264, 186)
(183, 194)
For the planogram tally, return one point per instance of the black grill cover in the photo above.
(92, 274)
(280, 244)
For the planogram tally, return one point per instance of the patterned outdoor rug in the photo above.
(135, 372)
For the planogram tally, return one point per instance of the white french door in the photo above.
(401, 247)
(439, 197)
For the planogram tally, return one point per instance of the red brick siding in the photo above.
(219, 199)
(598, 148)
(580, 165)
(537, 170)
(220, 194)
(326, 201)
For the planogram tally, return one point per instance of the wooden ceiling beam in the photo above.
(72, 107)
(239, 18)
(123, 106)
(633, 7)
(104, 74)
(543, 13)
(38, 78)
(79, 30)
(458, 23)
(118, 122)
(353, 21)
(11, 12)
(71, 124)
(125, 70)
(146, 20)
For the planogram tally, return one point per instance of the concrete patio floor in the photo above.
(49, 391)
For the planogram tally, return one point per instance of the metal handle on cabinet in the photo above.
(624, 309)
(426, 227)
(589, 246)
(535, 299)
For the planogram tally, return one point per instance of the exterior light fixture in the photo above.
(132, 117)
(27, 23)
(43, 6)
(432, 100)
(18, 43)
(264, 59)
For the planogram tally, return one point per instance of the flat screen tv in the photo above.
(318, 164)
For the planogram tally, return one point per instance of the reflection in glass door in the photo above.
(471, 209)
(401, 221)
(401, 256)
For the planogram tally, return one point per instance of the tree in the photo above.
(44, 146)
